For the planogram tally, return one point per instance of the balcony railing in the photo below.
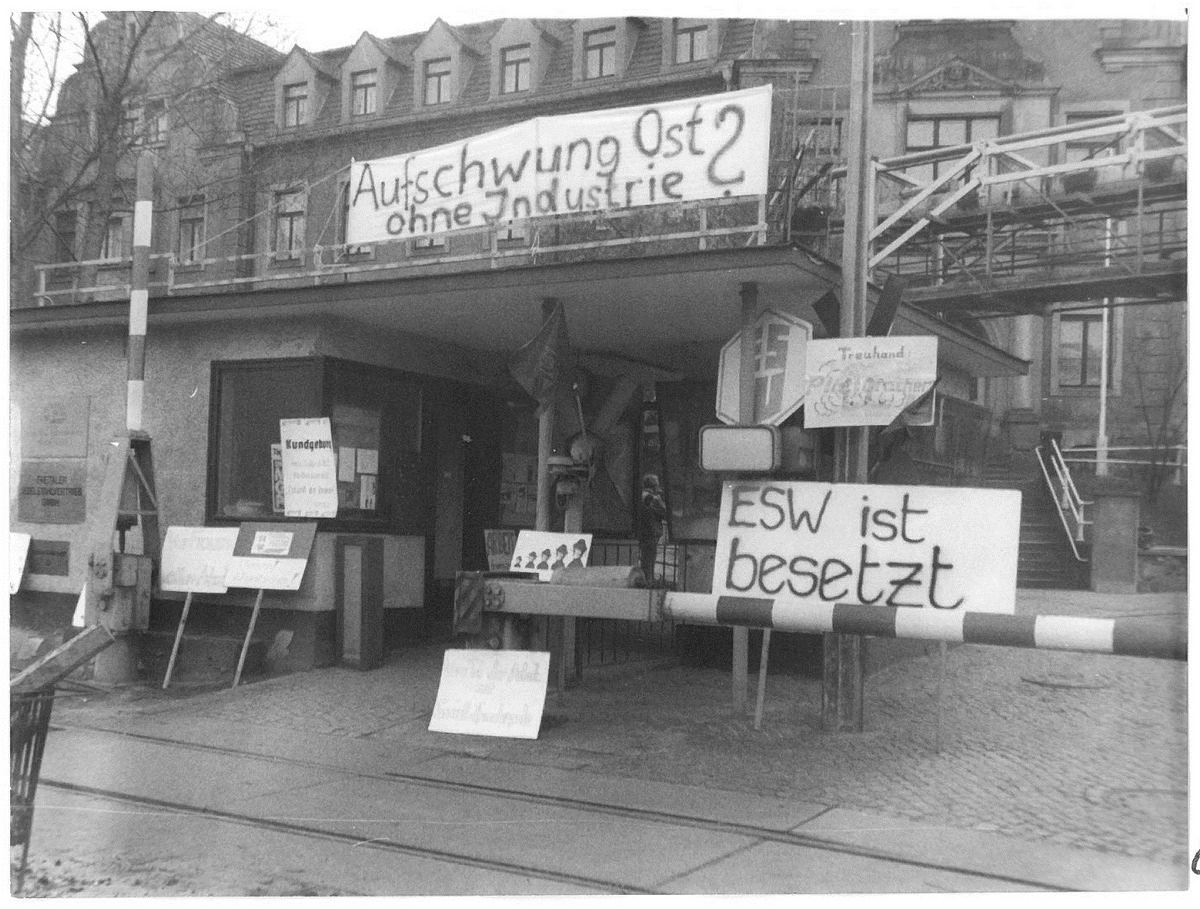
(714, 224)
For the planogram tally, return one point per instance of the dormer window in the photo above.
(691, 42)
(437, 80)
(295, 104)
(600, 53)
(363, 92)
(514, 69)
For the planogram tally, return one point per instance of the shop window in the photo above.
(691, 42)
(295, 104)
(191, 230)
(376, 423)
(600, 53)
(289, 225)
(928, 133)
(363, 87)
(515, 69)
(437, 80)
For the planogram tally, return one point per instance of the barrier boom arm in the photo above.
(1122, 636)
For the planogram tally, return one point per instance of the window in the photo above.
(514, 69)
(113, 245)
(289, 225)
(362, 92)
(691, 43)
(64, 236)
(154, 122)
(376, 421)
(295, 104)
(1087, 149)
(131, 125)
(600, 53)
(925, 133)
(191, 230)
(1080, 341)
(437, 80)
(429, 244)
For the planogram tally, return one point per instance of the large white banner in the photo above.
(651, 154)
(927, 547)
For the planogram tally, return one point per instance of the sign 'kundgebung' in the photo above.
(688, 150)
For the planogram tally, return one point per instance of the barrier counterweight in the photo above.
(1121, 636)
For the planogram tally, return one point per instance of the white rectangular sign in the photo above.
(672, 151)
(491, 692)
(18, 552)
(545, 552)
(196, 559)
(309, 468)
(866, 381)
(928, 547)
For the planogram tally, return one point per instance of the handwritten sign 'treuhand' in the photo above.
(866, 381)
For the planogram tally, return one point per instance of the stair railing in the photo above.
(1067, 501)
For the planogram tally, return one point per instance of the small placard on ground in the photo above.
(491, 692)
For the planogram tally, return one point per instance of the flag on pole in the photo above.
(545, 362)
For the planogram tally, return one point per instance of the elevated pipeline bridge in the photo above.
(1008, 226)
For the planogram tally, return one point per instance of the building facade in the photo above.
(264, 307)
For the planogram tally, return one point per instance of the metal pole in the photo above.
(187, 606)
(842, 688)
(139, 282)
(1102, 428)
(545, 490)
(740, 670)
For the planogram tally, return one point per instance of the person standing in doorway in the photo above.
(651, 520)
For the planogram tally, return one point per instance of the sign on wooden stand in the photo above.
(269, 556)
(194, 560)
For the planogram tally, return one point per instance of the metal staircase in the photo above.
(1046, 558)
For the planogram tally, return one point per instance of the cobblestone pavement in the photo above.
(1082, 750)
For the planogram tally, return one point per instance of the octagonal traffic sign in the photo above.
(780, 341)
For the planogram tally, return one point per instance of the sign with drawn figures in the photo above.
(196, 559)
(270, 556)
(491, 692)
(309, 468)
(866, 381)
(600, 160)
(545, 552)
(18, 552)
(927, 547)
(53, 491)
(780, 348)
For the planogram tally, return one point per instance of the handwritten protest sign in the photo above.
(672, 151)
(270, 556)
(309, 468)
(928, 547)
(491, 692)
(866, 381)
(545, 552)
(18, 552)
(196, 559)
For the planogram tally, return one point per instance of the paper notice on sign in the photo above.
(368, 460)
(271, 543)
(347, 457)
(196, 559)
(926, 547)
(18, 552)
(866, 381)
(309, 468)
(366, 492)
(491, 692)
(546, 552)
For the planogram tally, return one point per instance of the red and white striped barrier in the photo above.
(139, 297)
(1124, 636)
